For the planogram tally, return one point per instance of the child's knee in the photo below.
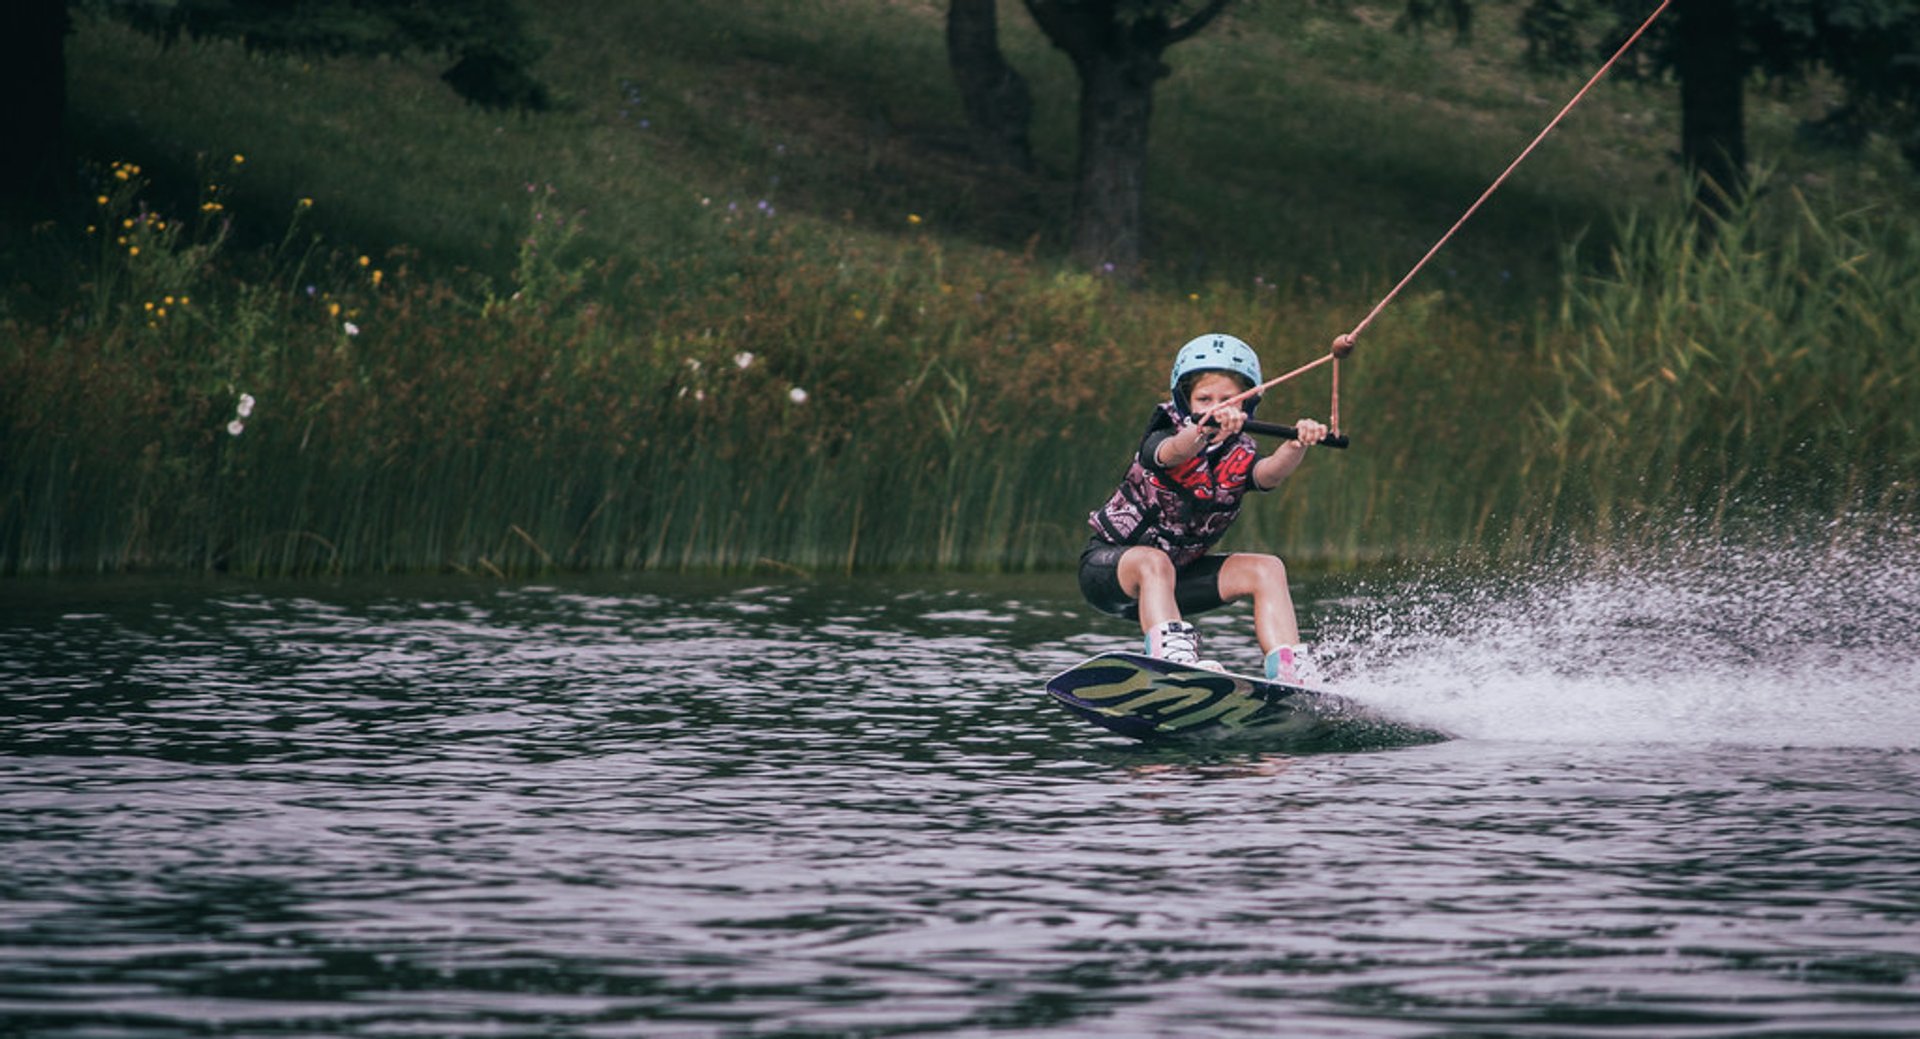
(1268, 573)
(1158, 562)
(1148, 564)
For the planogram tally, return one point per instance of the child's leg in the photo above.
(1147, 574)
(1265, 578)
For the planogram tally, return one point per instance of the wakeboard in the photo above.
(1153, 700)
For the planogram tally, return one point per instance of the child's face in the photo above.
(1210, 389)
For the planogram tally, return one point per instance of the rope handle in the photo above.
(1275, 429)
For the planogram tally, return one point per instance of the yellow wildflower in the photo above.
(238, 159)
(913, 218)
(100, 200)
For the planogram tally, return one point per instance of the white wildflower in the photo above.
(797, 395)
(246, 405)
(351, 328)
(742, 360)
(236, 427)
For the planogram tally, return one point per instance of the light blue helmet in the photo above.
(1215, 352)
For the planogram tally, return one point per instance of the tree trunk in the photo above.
(998, 104)
(1116, 113)
(1713, 73)
(33, 79)
(1116, 48)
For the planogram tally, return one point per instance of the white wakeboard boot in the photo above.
(1178, 642)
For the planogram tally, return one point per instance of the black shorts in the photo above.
(1196, 586)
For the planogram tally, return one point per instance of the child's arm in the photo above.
(1271, 470)
(1183, 444)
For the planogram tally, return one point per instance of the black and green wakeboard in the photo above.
(1153, 700)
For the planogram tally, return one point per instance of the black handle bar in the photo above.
(1275, 429)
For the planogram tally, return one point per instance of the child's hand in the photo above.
(1309, 432)
(1221, 424)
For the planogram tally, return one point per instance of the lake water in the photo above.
(1683, 800)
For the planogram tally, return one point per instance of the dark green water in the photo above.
(668, 807)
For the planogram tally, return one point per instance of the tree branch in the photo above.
(1199, 21)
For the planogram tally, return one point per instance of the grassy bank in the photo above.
(839, 402)
(740, 305)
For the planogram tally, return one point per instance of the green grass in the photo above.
(576, 337)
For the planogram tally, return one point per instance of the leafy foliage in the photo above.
(1871, 46)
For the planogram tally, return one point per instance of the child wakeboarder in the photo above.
(1149, 558)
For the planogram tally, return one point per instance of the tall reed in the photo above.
(1769, 362)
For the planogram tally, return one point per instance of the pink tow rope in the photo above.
(1344, 344)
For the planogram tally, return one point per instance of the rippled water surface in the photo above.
(1682, 802)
